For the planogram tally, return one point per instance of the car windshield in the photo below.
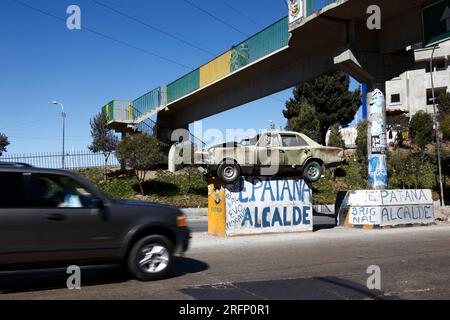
(250, 141)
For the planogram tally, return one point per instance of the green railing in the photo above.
(260, 45)
(269, 40)
(316, 5)
(183, 86)
(147, 126)
(265, 42)
(148, 102)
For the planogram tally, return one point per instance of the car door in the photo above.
(73, 225)
(20, 227)
(268, 154)
(295, 150)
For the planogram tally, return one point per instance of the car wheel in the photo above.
(151, 258)
(312, 171)
(229, 172)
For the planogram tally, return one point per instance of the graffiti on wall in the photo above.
(378, 175)
(265, 205)
(390, 207)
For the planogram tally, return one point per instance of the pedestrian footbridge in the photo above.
(330, 35)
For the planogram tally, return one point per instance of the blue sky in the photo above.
(41, 61)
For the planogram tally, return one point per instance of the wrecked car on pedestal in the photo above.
(269, 154)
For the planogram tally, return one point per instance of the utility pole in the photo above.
(376, 137)
(63, 116)
(437, 127)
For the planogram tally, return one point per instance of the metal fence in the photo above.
(53, 160)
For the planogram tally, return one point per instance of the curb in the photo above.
(195, 212)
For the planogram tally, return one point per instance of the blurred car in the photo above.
(55, 218)
(269, 153)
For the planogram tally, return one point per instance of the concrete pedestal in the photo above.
(259, 205)
(370, 209)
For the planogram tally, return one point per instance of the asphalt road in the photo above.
(327, 264)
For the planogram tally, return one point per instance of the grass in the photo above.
(165, 187)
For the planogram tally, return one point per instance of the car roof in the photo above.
(24, 167)
(305, 137)
(15, 167)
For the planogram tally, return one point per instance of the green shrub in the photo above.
(139, 152)
(421, 129)
(361, 141)
(412, 170)
(445, 127)
(336, 139)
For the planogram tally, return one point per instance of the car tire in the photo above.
(313, 171)
(229, 172)
(151, 258)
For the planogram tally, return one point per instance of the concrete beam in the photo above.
(348, 63)
(374, 67)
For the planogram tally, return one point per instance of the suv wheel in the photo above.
(312, 171)
(229, 172)
(151, 258)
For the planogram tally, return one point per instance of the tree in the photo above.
(445, 127)
(306, 121)
(361, 148)
(336, 139)
(103, 138)
(361, 140)
(421, 129)
(330, 96)
(444, 104)
(4, 142)
(139, 152)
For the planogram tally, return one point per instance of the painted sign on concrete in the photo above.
(388, 207)
(268, 205)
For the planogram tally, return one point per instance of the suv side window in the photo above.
(55, 191)
(12, 190)
(292, 140)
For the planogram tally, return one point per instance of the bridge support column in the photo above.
(376, 137)
(375, 69)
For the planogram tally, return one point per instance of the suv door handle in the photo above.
(55, 217)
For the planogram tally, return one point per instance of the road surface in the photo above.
(327, 264)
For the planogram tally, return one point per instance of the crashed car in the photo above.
(269, 154)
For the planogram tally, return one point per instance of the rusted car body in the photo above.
(269, 154)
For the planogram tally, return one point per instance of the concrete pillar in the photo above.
(122, 165)
(376, 137)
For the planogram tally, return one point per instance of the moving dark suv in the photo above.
(56, 218)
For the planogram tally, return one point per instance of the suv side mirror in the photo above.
(97, 203)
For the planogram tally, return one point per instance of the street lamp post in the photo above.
(436, 125)
(63, 116)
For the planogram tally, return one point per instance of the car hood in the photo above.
(230, 144)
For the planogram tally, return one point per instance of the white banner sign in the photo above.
(295, 10)
(266, 205)
(390, 207)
